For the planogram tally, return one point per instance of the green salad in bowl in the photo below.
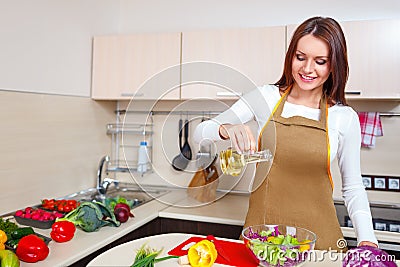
(279, 245)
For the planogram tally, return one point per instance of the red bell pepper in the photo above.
(32, 248)
(62, 231)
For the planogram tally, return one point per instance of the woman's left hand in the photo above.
(367, 243)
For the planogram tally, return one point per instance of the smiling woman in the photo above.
(311, 124)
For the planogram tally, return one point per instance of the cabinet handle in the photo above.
(229, 94)
(132, 94)
(353, 93)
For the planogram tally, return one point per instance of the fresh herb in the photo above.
(7, 226)
(146, 257)
(111, 202)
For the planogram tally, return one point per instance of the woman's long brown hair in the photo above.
(328, 30)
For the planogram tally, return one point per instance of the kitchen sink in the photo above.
(130, 192)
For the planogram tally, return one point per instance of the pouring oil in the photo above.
(232, 162)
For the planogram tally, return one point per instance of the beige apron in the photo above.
(298, 188)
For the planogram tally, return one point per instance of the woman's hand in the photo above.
(367, 243)
(240, 135)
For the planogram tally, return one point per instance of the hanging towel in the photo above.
(371, 127)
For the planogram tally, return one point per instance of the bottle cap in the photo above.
(143, 143)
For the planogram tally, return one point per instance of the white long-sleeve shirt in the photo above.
(344, 139)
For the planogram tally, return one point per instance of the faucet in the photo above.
(102, 185)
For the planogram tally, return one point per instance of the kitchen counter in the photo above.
(84, 243)
(229, 209)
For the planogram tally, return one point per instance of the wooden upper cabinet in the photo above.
(140, 66)
(223, 64)
(374, 58)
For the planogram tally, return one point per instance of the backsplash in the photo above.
(381, 160)
(50, 146)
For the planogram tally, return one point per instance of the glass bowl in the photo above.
(279, 245)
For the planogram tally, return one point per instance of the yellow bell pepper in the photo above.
(270, 238)
(304, 246)
(202, 254)
(3, 239)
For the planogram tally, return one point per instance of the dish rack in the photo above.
(125, 142)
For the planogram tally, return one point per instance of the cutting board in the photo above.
(237, 253)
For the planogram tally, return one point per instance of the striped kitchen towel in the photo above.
(371, 127)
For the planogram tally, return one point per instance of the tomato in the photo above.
(67, 208)
(48, 204)
(60, 208)
(61, 205)
(72, 203)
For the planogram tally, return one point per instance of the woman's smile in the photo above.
(306, 78)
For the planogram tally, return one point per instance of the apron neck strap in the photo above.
(323, 106)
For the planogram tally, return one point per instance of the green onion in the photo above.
(146, 257)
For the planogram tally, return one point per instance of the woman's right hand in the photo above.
(240, 135)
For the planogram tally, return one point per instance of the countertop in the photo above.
(228, 209)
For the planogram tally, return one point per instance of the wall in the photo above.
(181, 15)
(46, 46)
(51, 140)
(50, 146)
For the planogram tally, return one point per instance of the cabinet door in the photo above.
(142, 66)
(373, 49)
(233, 61)
(374, 58)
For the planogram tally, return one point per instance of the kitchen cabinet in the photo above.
(200, 228)
(374, 58)
(234, 61)
(140, 66)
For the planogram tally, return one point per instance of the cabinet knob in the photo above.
(132, 94)
(353, 93)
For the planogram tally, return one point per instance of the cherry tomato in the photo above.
(60, 208)
(67, 208)
(71, 202)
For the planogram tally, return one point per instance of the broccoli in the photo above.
(91, 216)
